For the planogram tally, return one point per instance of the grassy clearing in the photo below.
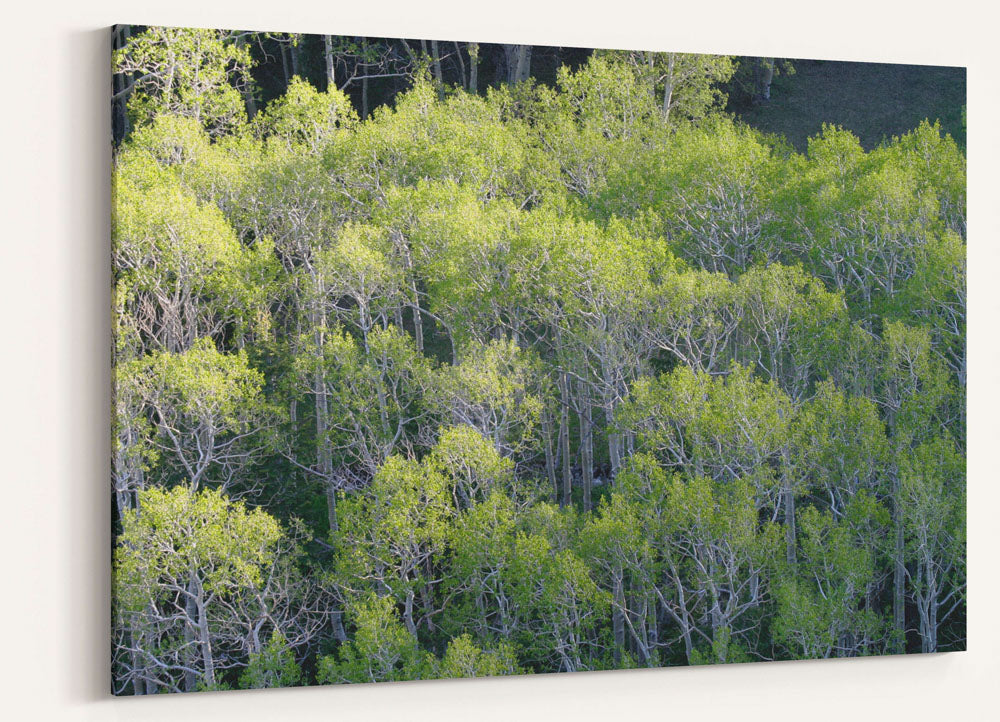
(874, 100)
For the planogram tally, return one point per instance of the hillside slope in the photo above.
(874, 100)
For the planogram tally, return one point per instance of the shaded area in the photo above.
(873, 100)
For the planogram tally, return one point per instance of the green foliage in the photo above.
(472, 464)
(303, 116)
(935, 297)
(381, 651)
(729, 428)
(177, 531)
(212, 418)
(376, 396)
(180, 270)
(494, 390)
(839, 445)
(825, 606)
(273, 666)
(709, 188)
(577, 377)
(933, 499)
(461, 139)
(605, 101)
(190, 72)
(390, 534)
(465, 659)
(723, 650)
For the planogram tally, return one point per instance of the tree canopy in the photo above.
(512, 374)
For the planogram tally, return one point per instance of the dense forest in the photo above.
(452, 359)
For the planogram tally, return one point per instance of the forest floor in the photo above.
(873, 100)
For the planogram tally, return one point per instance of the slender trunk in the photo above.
(436, 64)
(932, 624)
(473, 68)
(151, 685)
(614, 438)
(191, 611)
(461, 66)
(284, 64)
(328, 58)
(337, 620)
(383, 409)
(138, 687)
(427, 597)
(205, 639)
(418, 320)
(653, 624)
(119, 39)
(899, 566)
(567, 480)
(927, 607)
(766, 76)
(324, 450)
(296, 44)
(614, 450)
(586, 447)
(618, 614)
(246, 89)
(408, 613)
(330, 491)
(550, 462)
(668, 86)
(418, 323)
(650, 60)
(523, 63)
(510, 54)
(790, 532)
(518, 63)
(364, 79)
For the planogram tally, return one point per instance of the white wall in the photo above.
(54, 300)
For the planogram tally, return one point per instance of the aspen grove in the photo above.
(520, 377)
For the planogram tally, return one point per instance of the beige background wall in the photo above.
(54, 303)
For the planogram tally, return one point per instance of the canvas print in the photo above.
(451, 359)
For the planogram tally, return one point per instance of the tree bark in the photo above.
(567, 480)
(461, 66)
(766, 76)
(418, 323)
(284, 63)
(790, 532)
(324, 451)
(436, 64)
(364, 80)
(614, 438)
(191, 611)
(246, 89)
(618, 614)
(205, 639)
(899, 566)
(518, 63)
(474, 68)
(328, 58)
(120, 126)
(668, 86)
(586, 446)
(408, 613)
(550, 462)
(295, 46)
